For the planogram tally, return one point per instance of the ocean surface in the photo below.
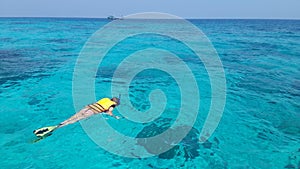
(260, 126)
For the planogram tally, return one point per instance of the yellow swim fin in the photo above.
(42, 132)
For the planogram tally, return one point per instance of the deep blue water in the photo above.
(260, 126)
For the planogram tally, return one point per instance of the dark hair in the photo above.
(115, 99)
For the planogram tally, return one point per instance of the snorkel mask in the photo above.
(117, 100)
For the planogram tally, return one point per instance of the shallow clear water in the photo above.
(260, 127)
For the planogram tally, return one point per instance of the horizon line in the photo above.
(188, 18)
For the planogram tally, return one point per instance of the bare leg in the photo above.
(82, 114)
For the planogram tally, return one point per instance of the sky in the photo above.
(255, 9)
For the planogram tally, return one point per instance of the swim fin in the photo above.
(45, 131)
(41, 138)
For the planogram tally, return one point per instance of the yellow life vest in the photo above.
(102, 105)
(106, 103)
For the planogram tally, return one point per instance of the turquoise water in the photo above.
(260, 127)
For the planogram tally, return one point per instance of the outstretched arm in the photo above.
(109, 112)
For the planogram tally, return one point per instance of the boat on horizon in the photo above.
(111, 17)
